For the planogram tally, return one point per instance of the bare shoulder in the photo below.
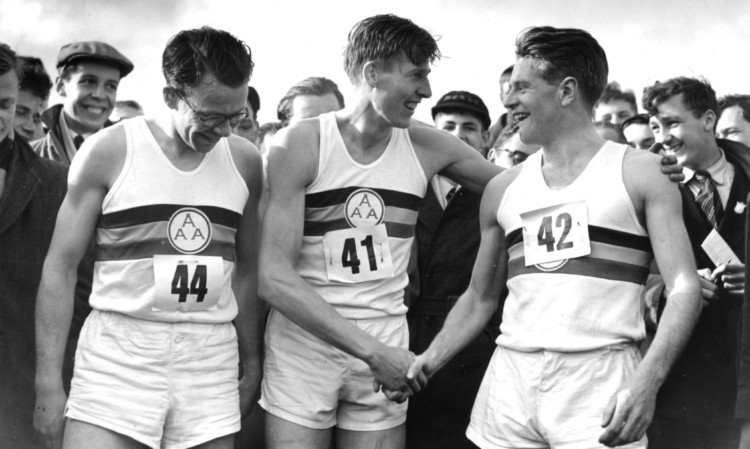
(642, 173)
(246, 157)
(101, 157)
(294, 153)
(498, 185)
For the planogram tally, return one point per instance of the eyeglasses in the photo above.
(214, 120)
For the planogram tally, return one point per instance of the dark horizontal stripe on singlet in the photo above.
(587, 266)
(147, 248)
(163, 212)
(320, 228)
(599, 234)
(338, 196)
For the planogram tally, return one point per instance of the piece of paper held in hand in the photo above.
(718, 249)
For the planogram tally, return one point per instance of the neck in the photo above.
(364, 125)
(708, 157)
(76, 126)
(572, 141)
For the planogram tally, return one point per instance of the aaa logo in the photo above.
(189, 230)
(364, 207)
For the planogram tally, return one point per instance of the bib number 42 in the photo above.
(545, 236)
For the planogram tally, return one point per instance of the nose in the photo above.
(98, 91)
(510, 99)
(425, 91)
(224, 129)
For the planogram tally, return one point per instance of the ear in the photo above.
(485, 138)
(170, 97)
(60, 86)
(709, 121)
(370, 72)
(568, 91)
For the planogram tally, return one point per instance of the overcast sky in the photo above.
(644, 40)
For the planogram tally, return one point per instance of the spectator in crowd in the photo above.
(734, 119)
(89, 74)
(610, 131)
(697, 407)
(31, 191)
(32, 99)
(505, 119)
(125, 109)
(615, 105)
(174, 204)
(248, 127)
(309, 98)
(345, 189)
(637, 132)
(510, 150)
(447, 240)
(566, 371)
(265, 135)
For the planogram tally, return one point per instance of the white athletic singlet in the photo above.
(165, 239)
(581, 302)
(359, 225)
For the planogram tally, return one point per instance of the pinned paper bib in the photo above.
(188, 282)
(554, 234)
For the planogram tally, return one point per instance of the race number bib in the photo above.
(556, 233)
(187, 283)
(358, 254)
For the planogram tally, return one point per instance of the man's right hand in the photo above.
(49, 417)
(389, 366)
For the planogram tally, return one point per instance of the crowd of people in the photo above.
(570, 275)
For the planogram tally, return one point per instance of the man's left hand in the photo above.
(628, 414)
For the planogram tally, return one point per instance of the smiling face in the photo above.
(398, 90)
(733, 126)
(89, 93)
(614, 111)
(691, 138)
(533, 102)
(28, 116)
(209, 97)
(639, 136)
(464, 126)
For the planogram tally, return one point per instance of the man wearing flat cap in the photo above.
(447, 241)
(88, 76)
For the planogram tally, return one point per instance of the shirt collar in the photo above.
(717, 171)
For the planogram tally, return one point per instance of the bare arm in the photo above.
(634, 404)
(291, 167)
(245, 276)
(475, 307)
(442, 153)
(87, 185)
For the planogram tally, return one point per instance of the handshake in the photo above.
(399, 373)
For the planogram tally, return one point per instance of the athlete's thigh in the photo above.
(225, 442)
(283, 434)
(82, 435)
(394, 438)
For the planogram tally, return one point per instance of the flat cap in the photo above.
(461, 100)
(93, 50)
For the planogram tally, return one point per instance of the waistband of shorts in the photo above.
(155, 326)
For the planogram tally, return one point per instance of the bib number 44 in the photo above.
(182, 286)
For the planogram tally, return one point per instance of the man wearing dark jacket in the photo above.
(697, 406)
(31, 191)
(447, 241)
(89, 74)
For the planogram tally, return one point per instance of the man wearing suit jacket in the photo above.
(447, 240)
(31, 191)
(697, 407)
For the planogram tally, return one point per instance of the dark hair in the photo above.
(9, 61)
(254, 99)
(564, 52)
(638, 119)
(508, 70)
(743, 101)
(613, 93)
(128, 104)
(697, 95)
(266, 128)
(35, 78)
(314, 85)
(191, 54)
(382, 38)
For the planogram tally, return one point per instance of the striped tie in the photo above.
(708, 198)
